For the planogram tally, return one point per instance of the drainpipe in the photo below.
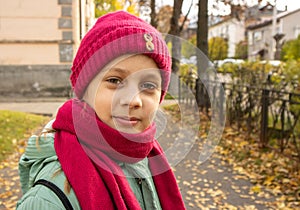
(80, 21)
(274, 20)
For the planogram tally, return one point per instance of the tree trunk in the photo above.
(153, 14)
(202, 29)
(175, 32)
(202, 62)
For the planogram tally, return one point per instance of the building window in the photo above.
(257, 35)
(297, 31)
(250, 38)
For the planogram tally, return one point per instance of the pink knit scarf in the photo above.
(88, 150)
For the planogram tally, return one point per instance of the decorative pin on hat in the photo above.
(149, 44)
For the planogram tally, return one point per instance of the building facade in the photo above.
(233, 27)
(38, 40)
(262, 36)
(232, 30)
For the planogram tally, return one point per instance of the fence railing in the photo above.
(271, 114)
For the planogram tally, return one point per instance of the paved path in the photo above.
(48, 108)
(211, 185)
(45, 107)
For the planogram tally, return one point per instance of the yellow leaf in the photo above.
(256, 189)
(277, 190)
(203, 136)
(186, 183)
(293, 183)
(21, 150)
(243, 143)
(269, 180)
(281, 205)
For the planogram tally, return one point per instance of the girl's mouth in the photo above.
(125, 121)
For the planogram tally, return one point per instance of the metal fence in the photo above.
(273, 115)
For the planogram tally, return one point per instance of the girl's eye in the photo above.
(149, 86)
(114, 81)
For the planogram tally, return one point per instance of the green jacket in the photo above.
(40, 162)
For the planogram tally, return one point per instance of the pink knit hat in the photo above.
(116, 34)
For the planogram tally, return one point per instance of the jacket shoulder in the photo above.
(41, 162)
(39, 198)
(42, 196)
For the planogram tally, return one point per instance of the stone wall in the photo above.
(34, 81)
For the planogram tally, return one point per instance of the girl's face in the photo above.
(128, 93)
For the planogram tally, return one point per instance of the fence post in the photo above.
(179, 89)
(282, 116)
(222, 101)
(264, 117)
(199, 93)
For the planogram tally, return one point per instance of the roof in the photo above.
(224, 20)
(269, 21)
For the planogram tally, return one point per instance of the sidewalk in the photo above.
(47, 107)
(43, 108)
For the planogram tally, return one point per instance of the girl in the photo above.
(100, 151)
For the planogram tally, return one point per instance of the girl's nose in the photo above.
(130, 97)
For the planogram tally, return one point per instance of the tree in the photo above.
(175, 32)
(176, 27)
(202, 29)
(202, 45)
(188, 48)
(149, 5)
(291, 50)
(164, 19)
(241, 50)
(153, 14)
(105, 6)
(217, 48)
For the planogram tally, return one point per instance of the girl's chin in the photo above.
(127, 129)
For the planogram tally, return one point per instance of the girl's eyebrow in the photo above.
(119, 70)
(153, 76)
(125, 72)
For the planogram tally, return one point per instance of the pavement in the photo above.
(43, 106)
(47, 107)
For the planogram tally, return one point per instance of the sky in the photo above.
(291, 4)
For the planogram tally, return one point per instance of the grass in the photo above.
(15, 127)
